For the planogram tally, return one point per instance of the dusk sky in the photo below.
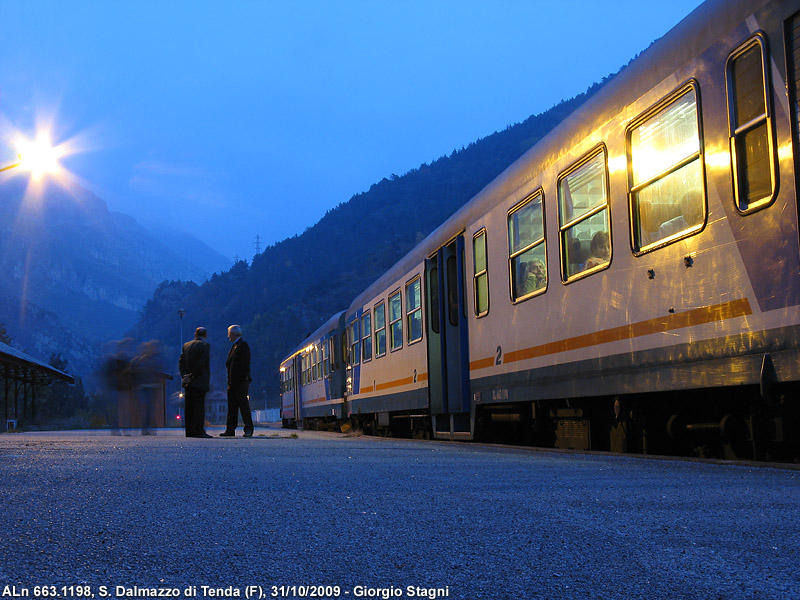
(237, 119)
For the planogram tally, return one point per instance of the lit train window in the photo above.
(395, 321)
(366, 337)
(314, 364)
(414, 310)
(666, 172)
(583, 216)
(752, 143)
(380, 329)
(527, 260)
(480, 273)
(326, 357)
(355, 343)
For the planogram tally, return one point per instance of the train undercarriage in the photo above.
(731, 423)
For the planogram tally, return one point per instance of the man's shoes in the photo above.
(248, 434)
(199, 435)
(227, 434)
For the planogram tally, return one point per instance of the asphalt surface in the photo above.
(376, 517)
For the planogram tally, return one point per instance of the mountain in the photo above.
(295, 285)
(190, 248)
(74, 275)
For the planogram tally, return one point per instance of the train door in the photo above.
(448, 350)
(792, 37)
(298, 404)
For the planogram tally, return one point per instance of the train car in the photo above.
(312, 379)
(631, 283)
(387, 356)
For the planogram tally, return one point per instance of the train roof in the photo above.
(315, 335)
(680, 45)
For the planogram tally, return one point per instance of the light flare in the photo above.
(40, 156)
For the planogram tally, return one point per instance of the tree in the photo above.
(4, 337)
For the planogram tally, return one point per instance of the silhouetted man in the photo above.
(195, 369)
(238, 365)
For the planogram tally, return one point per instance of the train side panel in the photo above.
(387, 358)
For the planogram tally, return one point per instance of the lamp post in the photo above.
(16, 164)
(181, 312)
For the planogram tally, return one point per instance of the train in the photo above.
(630, 284)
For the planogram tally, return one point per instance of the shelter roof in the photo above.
(40, 371)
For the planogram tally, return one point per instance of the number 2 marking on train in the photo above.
(499, 360)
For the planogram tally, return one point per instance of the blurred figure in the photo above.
(194, 365)
(117, 376)
(146, 370)
(238, 365)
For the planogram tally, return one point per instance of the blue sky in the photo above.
(237, 119)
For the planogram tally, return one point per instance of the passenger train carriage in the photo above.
(631, 283)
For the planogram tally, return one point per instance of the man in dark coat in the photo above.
(238, 365)
(195, 369)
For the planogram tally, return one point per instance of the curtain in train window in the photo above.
(366, 337)
(527, 261)
(395, 321)
(480, 276)
(752, 148)
(380, 330)
(666, 173)
(414, 310)
(583, 216)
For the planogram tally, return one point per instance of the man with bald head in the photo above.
(238, 365)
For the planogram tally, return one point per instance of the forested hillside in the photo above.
(292, 287)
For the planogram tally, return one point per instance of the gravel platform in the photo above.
(117, 515)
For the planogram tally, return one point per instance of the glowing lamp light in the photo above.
(39, 156)
(178, 417)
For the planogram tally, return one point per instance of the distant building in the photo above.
(217, 410)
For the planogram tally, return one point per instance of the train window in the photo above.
(414, 310)
(326, 359)
(433, 279)
(527, 260)
(380, 330)
(304, 370)
(314, 364)
(355, 343)
(452, 291)
(583, 216)
(395, 321)
(752, 143)
(366, 337)
(666, 172)
(480, 274)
